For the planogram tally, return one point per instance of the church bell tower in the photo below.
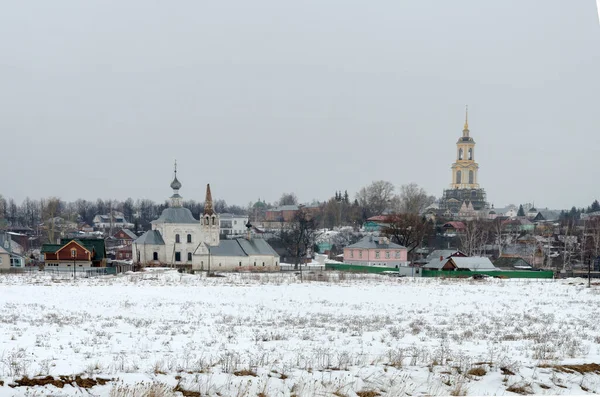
(464, 191)
(464, 170)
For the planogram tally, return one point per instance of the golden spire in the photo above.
(466, 117)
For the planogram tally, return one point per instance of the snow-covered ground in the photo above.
(332, 335)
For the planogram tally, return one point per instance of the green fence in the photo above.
(358, 269)
(501, 274)
(548, 274)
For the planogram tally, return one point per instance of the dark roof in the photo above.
(152, 237)
(370, 242)
(51, 248)
(129, 233)
(176, 215)
(242, 247)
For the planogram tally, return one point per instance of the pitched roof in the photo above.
(473, 263)
(242, 247)
(443, 253)
(176, 215)
(95, 245)
(227, 248)
(377, 218)
(454, 224)
(463, 263)
(438, 258)
(50, 248)
(370, 242)
(291, 207)
(152, 237)
(256, 246)
(130, 233)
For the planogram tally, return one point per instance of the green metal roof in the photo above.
(95, 245)
(50, 248)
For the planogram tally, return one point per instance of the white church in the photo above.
(178, 239)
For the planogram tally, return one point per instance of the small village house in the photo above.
(83, 253)
(376, 251)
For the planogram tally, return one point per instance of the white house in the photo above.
(233, 225)
(179, 239)
(114, 220)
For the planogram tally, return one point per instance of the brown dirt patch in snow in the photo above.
(245, 372)
(368, 393)
(477, 371)
(579, 368)
(186, 393)
(60, 382)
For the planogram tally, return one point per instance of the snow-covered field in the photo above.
(166, 333)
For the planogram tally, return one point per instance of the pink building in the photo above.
(376, 251)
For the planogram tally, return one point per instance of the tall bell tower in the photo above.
(464, 190)
(464, 170)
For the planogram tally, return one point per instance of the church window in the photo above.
(177, 238)
(458, 177)
(470, 153)
(189, 238)
(460, 154)
(387, 254)
(189, 256)
(178, 257)
(207, 221)
(213, 220)
(471, 176)
(377, 254)
(275, 263)
(155, 256)
(254, 263)
(263, 263)
(240, 263)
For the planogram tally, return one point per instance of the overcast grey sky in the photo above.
(97, 98)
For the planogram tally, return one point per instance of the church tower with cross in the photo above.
(464, 191)
(464, 170)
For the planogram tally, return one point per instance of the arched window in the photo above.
(458, 177)
(213, 219)
(177, 238)
(155, 256)
(207, 221)
(470, 153)
(471, 176)
(189, 256)
(460, 154)
(189, 238)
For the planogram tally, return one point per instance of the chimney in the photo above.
(441, 258)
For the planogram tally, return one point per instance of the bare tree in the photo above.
(288, 199)
(474, 237)
(408, 230)
(414, 199)
(375, 198)
(299, 237)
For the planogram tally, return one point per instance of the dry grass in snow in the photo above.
(162, 333)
